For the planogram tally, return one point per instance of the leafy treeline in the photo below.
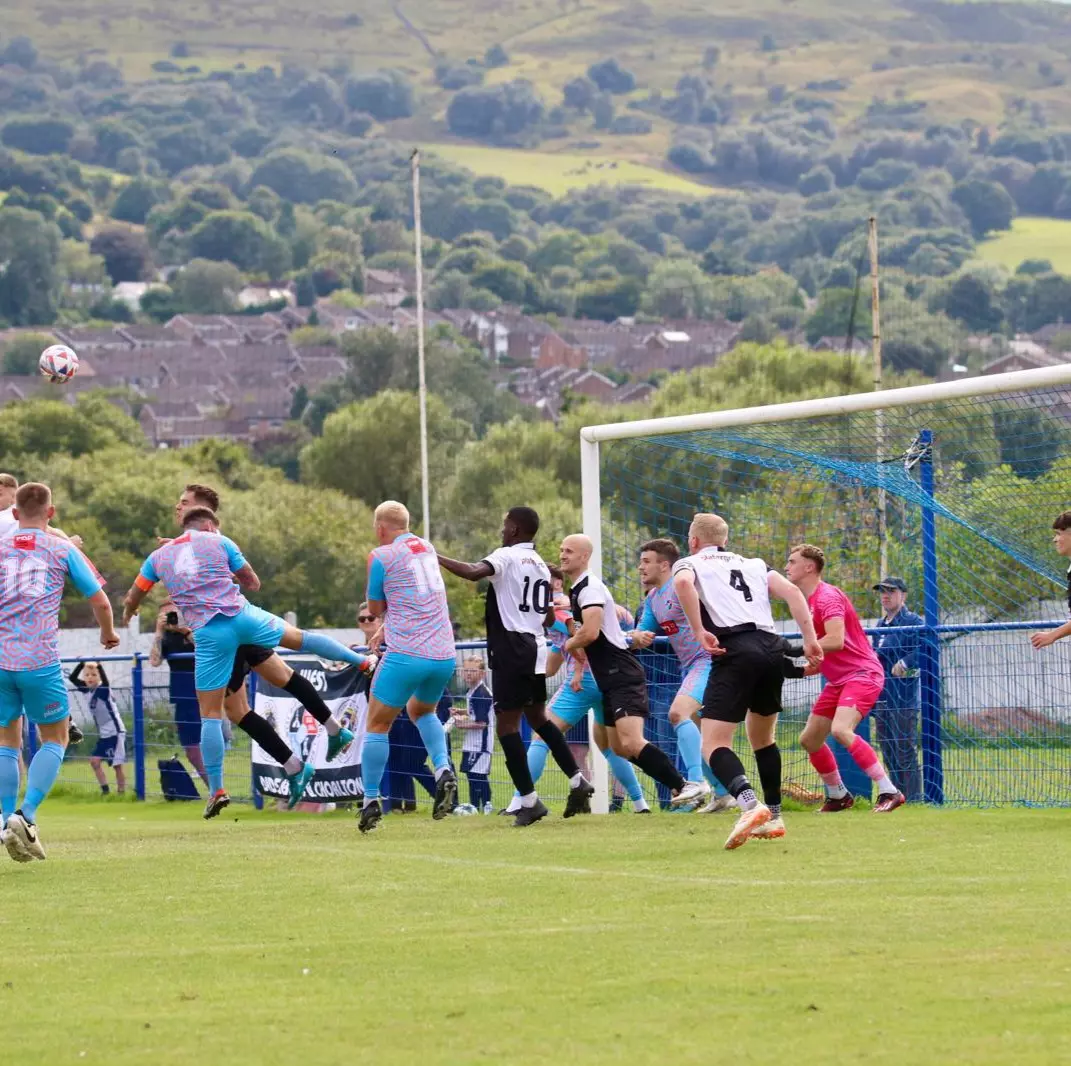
(309, 539)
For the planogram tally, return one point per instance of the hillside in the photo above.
(925, 60)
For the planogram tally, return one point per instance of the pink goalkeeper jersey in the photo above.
(857, 656)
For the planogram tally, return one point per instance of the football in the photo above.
(58, 363)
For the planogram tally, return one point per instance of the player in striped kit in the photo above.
(202, 571)
(663, 614)
(34, 566)
(406, 590)
(597, 632)
(726, 599)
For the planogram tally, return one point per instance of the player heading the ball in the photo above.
(199, 570)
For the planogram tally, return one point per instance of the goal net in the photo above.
(952, 487)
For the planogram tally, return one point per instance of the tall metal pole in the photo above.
(879, 420)
(423, 386)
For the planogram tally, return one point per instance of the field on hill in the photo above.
(890, 51)
(557, 173)
(1031, 238)
(149, 935)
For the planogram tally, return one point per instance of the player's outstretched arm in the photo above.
(688, 598)
(783, 589)
(102, 612)
(1051, 636)
(466, 571)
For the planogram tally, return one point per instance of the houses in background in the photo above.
(237, 376)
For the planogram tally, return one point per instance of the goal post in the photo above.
(971, 475)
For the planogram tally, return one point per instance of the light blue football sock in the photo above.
(44, 769)
(690, 748)
(9, 783)
(373, 762)
(212, 751)
(329, 648)
(623, 770)
(537, 758)
(434, 737)
(719, 788)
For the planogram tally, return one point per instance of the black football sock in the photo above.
(554, 739)
(261, 731)
(301, 688)
(517, 763)
(729, 770)
(655, 763)
(768, 760)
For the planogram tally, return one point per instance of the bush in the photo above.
(611, 77)
(630, 125)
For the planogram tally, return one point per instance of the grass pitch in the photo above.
(152, 936)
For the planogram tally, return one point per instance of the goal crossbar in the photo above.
(1015, 381)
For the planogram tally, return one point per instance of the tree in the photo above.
(125, 252)
(496, 56)
(609, 300)
(22, 352)
(611, 77)
(305, 177)
(677, 288)
(41, 136)
(29, 257)
(386, 426)
(580, 93)
(974, 303)
(242, 238)
(137, 198)
(385, 96)
(495, 111)
(987, 205)
(817, 180)
(833, 315)
(205, 287)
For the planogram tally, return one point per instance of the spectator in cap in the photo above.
(897, 712)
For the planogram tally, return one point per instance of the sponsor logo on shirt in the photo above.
(25, 541)
(671, 629)
(416, 547)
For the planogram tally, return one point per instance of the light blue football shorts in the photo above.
(39, 694)
(399, 677)
(571, 706)
(216, 643)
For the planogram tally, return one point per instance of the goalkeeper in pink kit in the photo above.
(854, 682)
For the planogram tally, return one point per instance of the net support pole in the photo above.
(879, 420)
(933, 777)
(137, 685)
(418, 231)
(591, 514)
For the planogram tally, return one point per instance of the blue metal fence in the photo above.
(993, 725)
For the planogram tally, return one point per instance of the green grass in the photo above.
(151, 936)
(1031, 238)
(557, 173)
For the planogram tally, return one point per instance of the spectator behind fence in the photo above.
(8, 487)
(174, 638)
(91, 681)
(477, 723)
(897, 711)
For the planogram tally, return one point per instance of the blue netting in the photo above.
(1001, 473)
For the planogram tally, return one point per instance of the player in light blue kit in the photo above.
(663, 616)
(577, 695)
(406, 590)
(34, 566)
(202, 571)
